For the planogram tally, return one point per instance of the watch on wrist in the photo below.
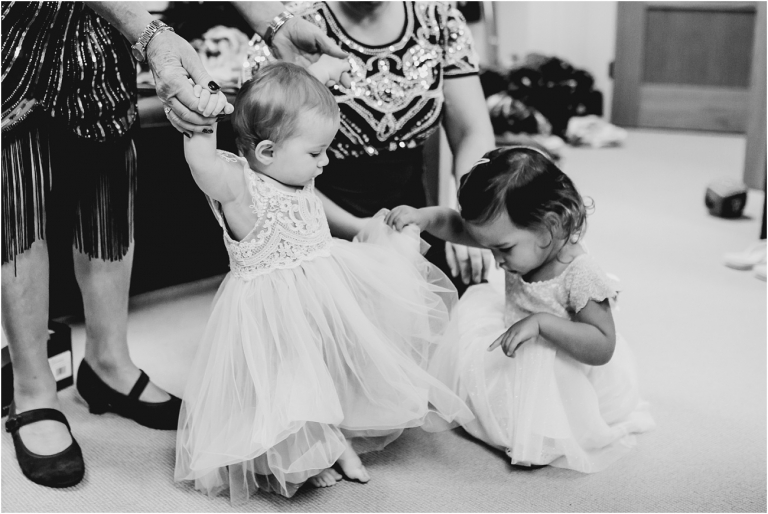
(139, 50)
(277, 22)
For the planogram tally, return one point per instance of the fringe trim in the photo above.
(26, 183)
(94, 195)
(105, 213)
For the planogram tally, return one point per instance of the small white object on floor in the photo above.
(750, 257)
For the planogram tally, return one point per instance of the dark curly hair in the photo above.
(534, 191)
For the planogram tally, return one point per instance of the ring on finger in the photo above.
(167, 109)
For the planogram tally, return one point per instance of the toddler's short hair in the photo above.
(268, 105)
(528, 185)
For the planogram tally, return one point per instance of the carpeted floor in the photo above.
(698, 330)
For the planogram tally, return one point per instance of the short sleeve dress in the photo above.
(544, 407)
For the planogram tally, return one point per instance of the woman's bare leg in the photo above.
(104, 286)
(25, 321)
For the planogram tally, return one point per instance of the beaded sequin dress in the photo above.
(312, 341)
(543, 406)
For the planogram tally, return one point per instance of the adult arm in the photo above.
(470, 135)
(172, 61)
(466, 122)
(297, 41)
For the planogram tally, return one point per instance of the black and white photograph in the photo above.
(392, 256)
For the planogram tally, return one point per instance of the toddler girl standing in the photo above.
(561, 389)
(315, 349)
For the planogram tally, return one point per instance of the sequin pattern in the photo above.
(73, 62)
(396, 97)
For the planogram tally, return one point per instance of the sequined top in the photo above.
(290, 227)
(73, 62)
(396, 98)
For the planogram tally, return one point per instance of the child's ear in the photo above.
(265, 152)
(554, 226)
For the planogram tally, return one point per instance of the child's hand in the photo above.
(211, 104)
(404, 215)
(330, 70)
(527, 329)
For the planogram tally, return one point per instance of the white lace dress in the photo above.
(311, 341)
(543, 407)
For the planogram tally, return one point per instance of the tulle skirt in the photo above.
(542, 407)
(298, 361)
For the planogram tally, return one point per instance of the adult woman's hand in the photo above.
(329, 70)
(473, 264)
(173, 62)
(303, 43)
(297, 40)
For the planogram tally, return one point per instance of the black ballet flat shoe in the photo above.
(63, 469)
(101, 398)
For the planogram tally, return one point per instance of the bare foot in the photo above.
(326, 478)
(352, 466)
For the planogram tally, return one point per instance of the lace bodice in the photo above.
(563, 296)
(290, 227)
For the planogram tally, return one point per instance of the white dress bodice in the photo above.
(290, 227)
(563, 296)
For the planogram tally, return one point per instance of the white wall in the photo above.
(582, 33)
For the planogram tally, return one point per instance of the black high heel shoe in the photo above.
(102, 398)
(63, 469)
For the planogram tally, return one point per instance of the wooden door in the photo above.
(684, 65)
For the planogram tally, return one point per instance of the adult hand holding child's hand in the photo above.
(174, 62)
(211, 104)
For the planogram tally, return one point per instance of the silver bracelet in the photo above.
(277, 22)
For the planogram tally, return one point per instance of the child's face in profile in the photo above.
(516, 250)
(300, 158)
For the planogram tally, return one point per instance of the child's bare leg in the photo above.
(352, 466)
(325, 478)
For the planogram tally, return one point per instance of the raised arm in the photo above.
(215, 176)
